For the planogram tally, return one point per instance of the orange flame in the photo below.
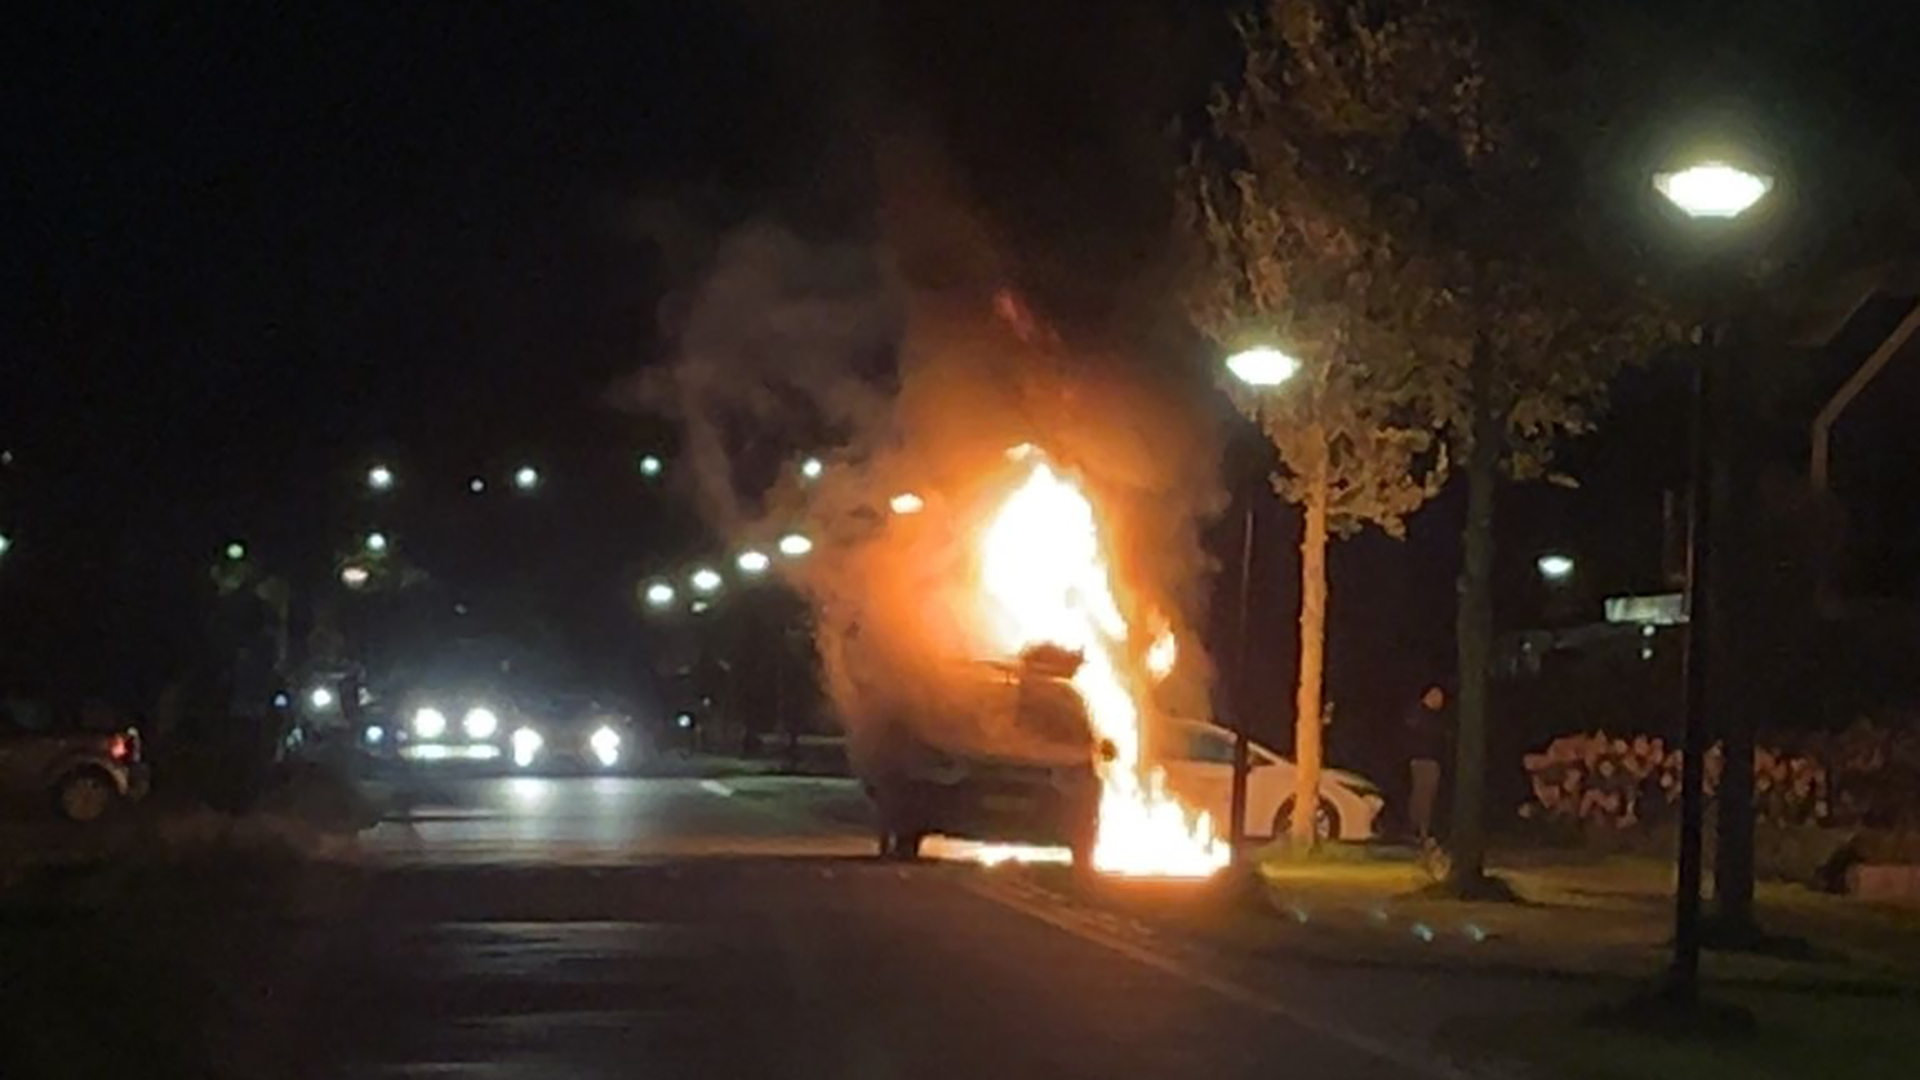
(1045, 580)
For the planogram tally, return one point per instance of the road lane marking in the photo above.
(1087, 930)
(715, 787)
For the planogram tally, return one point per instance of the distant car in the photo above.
(1014, 760)
(58, 762)
(573, 732)
(1198, 758)
(465, 724)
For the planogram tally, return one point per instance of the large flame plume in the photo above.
(1045, 579)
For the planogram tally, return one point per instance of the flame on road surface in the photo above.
(1046, 580)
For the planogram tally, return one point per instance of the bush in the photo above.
(1818, 800)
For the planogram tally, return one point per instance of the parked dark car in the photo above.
(81, 763)
(1005, 753)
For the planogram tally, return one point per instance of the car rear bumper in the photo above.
(1030, 814)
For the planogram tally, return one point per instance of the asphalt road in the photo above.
(598, 928)
(677, 928)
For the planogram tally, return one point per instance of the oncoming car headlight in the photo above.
(480, 722)
(605, 744)
(429, 722)
(526, 746)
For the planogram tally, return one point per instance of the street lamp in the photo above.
(753, 562)
(354, 577)
(376, 542)
(706, 580)
(379, 479)
(812, 469)
(1260, 368)
(651, 466)
(795, 545)
(1555, 569)
(235, 551)
(906, 503)
(1717, 191)
(659, 595)
(1713, 189)
(476, 486)
(526, 478)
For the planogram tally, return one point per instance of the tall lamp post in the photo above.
(1711, 191)
(1261, 369)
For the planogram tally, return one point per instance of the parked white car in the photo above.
(1198, 757)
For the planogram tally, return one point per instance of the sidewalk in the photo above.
(1510, 987)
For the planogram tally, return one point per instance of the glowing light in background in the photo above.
(659, 594)
(794, 545)
(1713, 189)
(380, 478)
(706, 580)
(906, 503)
(753, 563)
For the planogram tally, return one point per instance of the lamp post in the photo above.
(1709, 191)
(1261, 369)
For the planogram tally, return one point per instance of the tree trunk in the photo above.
(1307, 728)
(1467, 842)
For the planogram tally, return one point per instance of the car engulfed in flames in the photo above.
(1066, 698)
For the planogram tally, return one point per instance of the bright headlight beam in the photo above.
(429, 722)
(526, 746)
(605, 744)
(480, 722)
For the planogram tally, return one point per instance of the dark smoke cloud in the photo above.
(1006, 296)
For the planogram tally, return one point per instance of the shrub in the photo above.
(1865, 775)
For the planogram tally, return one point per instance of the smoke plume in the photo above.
(920, 356)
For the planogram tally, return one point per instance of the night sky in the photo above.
(253, 248)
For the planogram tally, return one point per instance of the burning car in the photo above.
(1008, 754)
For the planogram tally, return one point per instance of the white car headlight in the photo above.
(480, 722)
(429, 722)
(605, 744)
(526, 746)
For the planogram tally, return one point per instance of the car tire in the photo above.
(1326, 821)
(899, 845)
(85, 795)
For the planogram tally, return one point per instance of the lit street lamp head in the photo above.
(651, 466)
(812, 468)
(906, 503)
(380, 478)
(1713, 189)
(526, 478)
(354, 577)
(794, 545)
(236, 551)
(1262, 366)
(659, 594)
(753, 563)
(376, 542)
(1555, 568)
(705, 580)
